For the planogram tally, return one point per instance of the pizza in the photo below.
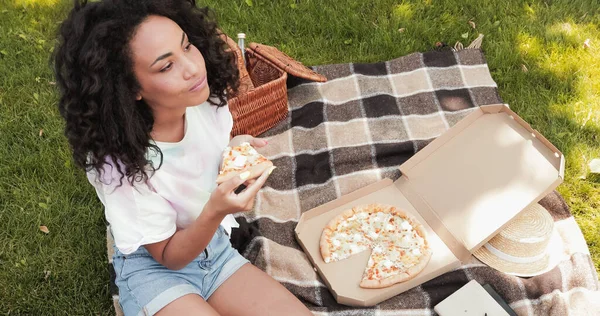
(242, 158)
(398, 243)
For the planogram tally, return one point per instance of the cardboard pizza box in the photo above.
(464, 187)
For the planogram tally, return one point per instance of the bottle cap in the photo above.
(241, 35)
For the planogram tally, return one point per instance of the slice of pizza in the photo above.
(242, 158)
(398, 241)
(400, 253)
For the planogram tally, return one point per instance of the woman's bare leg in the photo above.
(250, 291)
(190, 304)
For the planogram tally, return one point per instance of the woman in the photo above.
(143, 93)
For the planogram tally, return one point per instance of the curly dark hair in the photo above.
(94, 72)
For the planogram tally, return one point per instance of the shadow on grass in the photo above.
(558, 96)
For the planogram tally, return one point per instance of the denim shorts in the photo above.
(146, 286)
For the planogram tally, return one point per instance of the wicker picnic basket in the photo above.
(261, 100)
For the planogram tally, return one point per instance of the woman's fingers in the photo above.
(238, 193)
(253, 188)
(237, 140)
(231, 184)
(258, 142)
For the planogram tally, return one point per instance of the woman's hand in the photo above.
(254, 142)
(225, 201)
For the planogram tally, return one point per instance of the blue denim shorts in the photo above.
(146, 286)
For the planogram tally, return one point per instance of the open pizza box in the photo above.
(464, 187)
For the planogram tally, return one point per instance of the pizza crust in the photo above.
(324, 246)
(255, 171)
(389, 281)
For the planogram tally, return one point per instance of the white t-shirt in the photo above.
(176, 193)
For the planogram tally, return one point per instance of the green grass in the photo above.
(558, 95)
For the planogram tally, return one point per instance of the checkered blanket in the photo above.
(356, 129)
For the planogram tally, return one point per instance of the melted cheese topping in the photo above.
(239, 161)
(240, 157)
(395, 244)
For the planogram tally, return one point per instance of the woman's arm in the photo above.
(182, 247)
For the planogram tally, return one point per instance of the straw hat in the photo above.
(529, 245)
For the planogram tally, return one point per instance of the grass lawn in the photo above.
(535, 50)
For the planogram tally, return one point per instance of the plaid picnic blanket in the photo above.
(356, 129)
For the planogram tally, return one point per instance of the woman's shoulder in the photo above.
(111, 177)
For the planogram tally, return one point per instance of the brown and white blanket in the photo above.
(356, 129)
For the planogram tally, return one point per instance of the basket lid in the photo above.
(286, 63)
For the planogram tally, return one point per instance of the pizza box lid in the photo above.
(481, 173)
(464, 187)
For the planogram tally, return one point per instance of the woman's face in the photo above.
(169, 69)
